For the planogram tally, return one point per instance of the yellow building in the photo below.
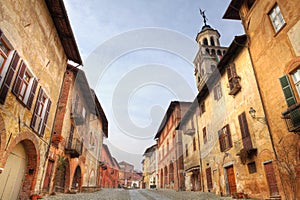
(273, 29)
(150, 173)
(236, 153)
(35, 45)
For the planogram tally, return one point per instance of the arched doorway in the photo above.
(76, 184)
(13, 174)
(161, 178)
(171, 175)
(61, 174)
(166, 183)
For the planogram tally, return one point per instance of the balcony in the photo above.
(292, 118)
(190, 131)
(234, 84)
(78, 116)
(74, 147)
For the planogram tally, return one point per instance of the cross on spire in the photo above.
(202, 13)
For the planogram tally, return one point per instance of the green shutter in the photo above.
(287, 90)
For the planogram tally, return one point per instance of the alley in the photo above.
(137, 194)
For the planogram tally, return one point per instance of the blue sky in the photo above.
(138, 56)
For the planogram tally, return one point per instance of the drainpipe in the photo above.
(266, 114)
(200, 158)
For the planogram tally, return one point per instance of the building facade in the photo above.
(109, 170)
(79, 128)
(273, 28)
(35, 46)
(126, 174)
(169, 147)
(150, 167)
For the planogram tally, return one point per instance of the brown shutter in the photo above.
(244, 125)
(220, 133)
(45, 118)
(19, 79)
(229, 135)
(233, 70)
(229, 74)
(37, 104)
(32, 93)
(8, 77)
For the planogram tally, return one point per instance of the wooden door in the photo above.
(231, 179)
(271, 179)
(48, 175)
(209, 179)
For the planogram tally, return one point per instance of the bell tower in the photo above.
(209, 54)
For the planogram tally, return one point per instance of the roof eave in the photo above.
(63, 27)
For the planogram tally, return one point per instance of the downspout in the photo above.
(264, 111)
(200, 158)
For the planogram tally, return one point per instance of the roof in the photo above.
(108, 153)
(233, 9)
(82, 83)
(100, 113)
(150, 150)
(235, 47)
(62, 24)
(125, 163)
(116, 164)
(169, 112)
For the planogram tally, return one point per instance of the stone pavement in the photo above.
(137, 194)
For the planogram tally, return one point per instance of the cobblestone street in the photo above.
(138, 194)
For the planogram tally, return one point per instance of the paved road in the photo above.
(137, 194)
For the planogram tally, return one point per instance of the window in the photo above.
(233, 79)
(194, 144)
(186, 150)
(225, 138)
(41, 113)
(9, 61)
(205, 41)
(204, 135)
(296, 80)
(202, 108)
(212, 42)
(217, 91)
(25, 85)
(276, 18)
(167, 145)
(245, 131)
(251, 167)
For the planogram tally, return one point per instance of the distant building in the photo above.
(126, 174)
(150, 167)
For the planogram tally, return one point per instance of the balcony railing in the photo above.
(292, 118)
(74, 147)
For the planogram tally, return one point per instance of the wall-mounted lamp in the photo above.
(252, 112)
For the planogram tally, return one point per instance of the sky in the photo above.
(138, 57)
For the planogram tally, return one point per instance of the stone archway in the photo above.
(62, 174)
(23, 150)
(77, 179)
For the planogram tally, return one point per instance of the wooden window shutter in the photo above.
(19, 79)
(8, 77)
(229, 135)
(287, 90)
(244, 125)
(220, 133)
(229, 74)
(37, 104)
(32, 93)
(45, 118)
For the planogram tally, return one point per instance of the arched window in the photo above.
(213, 52)
(207, 51)
(219, 53)
(205, 42)
(212, 42)
(224, 52)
